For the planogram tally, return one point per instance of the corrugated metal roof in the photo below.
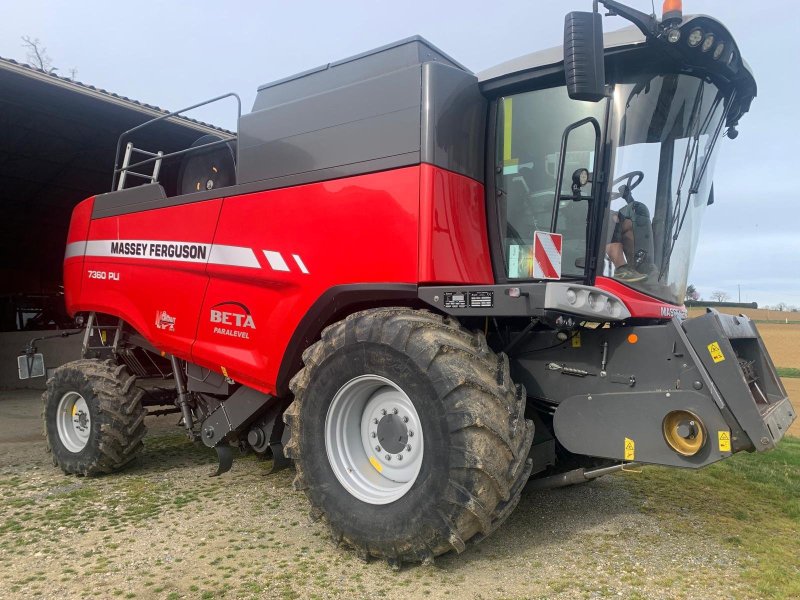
(101, 94)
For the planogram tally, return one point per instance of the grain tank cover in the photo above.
(411, 51)
(398, 105)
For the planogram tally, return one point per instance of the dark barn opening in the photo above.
(58, 141)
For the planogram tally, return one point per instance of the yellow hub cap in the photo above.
(684, 432)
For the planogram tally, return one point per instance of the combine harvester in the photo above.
(447, 286)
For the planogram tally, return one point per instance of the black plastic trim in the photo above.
(334, 304)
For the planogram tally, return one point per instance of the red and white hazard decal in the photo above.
(546, 255)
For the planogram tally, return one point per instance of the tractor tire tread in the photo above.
(490, 438)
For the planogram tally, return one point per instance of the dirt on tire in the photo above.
(475, 480)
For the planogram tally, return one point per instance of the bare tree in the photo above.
(781, 306)
(72, 73)
(692, 293)
(37, 54)
(719, 296)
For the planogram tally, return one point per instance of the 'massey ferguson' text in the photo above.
(160, 250)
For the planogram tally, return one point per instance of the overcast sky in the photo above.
(173, 54)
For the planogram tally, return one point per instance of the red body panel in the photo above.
(265, 258)
(640, 305)
(357, 230)
(136, 288)
(453, 242)
(73, 265)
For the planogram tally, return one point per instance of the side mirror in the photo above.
(584, 56)
(31, 365)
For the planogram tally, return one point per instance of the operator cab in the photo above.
(626, 176)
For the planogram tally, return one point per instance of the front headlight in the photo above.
(695, 37)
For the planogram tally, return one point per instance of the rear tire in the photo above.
(93, 417)
(476, 439)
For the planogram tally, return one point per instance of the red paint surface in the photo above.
(640, 305)
(453, 243)
(349, 231)
(149, 286)
(356, 230)
(73, 267)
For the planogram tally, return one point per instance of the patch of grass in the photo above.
(749, 503)
(788, 372)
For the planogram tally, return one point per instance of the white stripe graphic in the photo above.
(215, 254)
(276, 260)
(75, 249)
(300, 263)
(235, 256)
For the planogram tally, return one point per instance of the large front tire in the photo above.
(93, 417)
(444, 382)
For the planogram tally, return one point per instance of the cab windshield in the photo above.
(663, 130)
(666, 128)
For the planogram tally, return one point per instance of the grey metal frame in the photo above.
(159, 156)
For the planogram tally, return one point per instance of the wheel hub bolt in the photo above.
(375, 421)
(383, 411)
(388, 457)
(410, 434)
(399, 457)
(405, 419)
(377, 448)
(373, 434)
(408, 448)
(394, 411)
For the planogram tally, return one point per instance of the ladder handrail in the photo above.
(118, 169)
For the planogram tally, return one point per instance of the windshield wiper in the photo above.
(690, 159)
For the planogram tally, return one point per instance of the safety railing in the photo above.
(121, 172)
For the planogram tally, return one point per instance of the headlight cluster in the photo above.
(698, 38)
(597, 302)
(584, 300)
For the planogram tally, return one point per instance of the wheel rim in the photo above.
(373, 439)
(73, 422)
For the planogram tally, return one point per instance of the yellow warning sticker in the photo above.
(630, 449)
(224, 371)
(374, 462)
(576, 340)
(724, 441)
(716, 352)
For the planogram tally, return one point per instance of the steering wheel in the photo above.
(632, 179)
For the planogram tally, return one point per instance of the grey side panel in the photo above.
(141, 195)
(600, 424)
(367, 120)
(392, 57)
(453, 120)
(737, 342)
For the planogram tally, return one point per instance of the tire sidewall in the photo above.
(406, 517)
(63, 382)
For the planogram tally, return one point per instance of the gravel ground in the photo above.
(163, 529)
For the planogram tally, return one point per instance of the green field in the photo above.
(750, 502)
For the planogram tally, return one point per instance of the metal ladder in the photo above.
(92, 328)
(126, 161)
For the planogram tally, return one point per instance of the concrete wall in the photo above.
(56, 352)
